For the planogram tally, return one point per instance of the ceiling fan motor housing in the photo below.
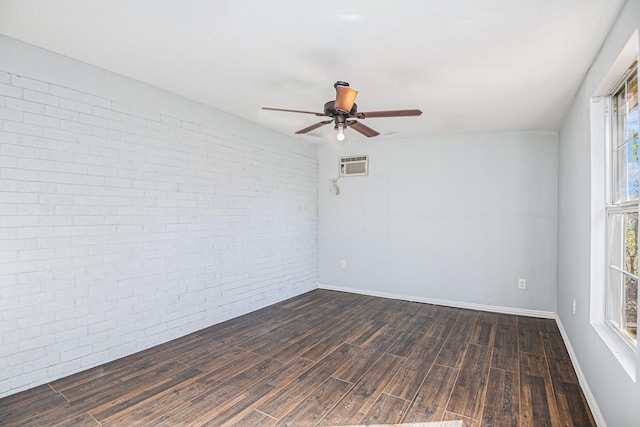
(330, 110)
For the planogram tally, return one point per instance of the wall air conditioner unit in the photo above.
(354, 166)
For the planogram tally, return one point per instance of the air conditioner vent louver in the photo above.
(354, 166)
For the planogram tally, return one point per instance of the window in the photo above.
(623, 172)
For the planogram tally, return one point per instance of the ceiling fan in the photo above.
(343, 109)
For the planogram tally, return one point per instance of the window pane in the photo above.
(614, 240)
(631, 265)
(628, 109)
(627, 179)
(613, 297)
(622, 291)
(626, 183)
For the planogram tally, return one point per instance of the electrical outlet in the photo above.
(343, 264)
(574, 307)
(522, 283)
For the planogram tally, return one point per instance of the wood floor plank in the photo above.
(269, 329)
(386, 313)
(147, 357)
(452, 352)
(224, 356)
(452, 419)
(330, 357)
(407, 381)
(184, 415)
(505, 346)
(356, 403)
(387, 410)
(26, 417)
(410, 314)
(212, 377)
(333, 340)
(244, 379)
(295, 392)
(408, 341)
(402, 321)
(529, 335)
(444, 322)
(363, 336)
(575, 409)
(277, 341)
(255, 418)
(203, 412)
(95, 393)
(358, 364)
(502, 401)
(381, 340)
(484, 332)
(233, 327)
(151, 409)
(245, 336)
(286, 332)
(468, 393)
(234, 409)
(315, 407)
(202, 352)
(81, 420)
(296, 346)
(571, 402)
(17, 408)
(122, 406)
(552, 340)
(464, 325)
(288, 372)
(209, 382)
(431, 401)
(537, 400)
(561, 373)
(27, 398)
(354, 368)
(64, 416)
(371, 309)
(260, 392)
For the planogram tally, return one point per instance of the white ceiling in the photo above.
(472, 66)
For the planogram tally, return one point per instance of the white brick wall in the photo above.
(121, 228)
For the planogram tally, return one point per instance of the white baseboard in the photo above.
(448, 303)
(591, 400)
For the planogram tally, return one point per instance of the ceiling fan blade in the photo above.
(363, 129)
(295, 111)
(389, 113)
(314, 126)
(345, 98)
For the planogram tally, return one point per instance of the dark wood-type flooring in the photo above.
(328, 358)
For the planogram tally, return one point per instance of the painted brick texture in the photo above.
(122, 228)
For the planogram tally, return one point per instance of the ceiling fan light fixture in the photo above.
(345, 98)
(340, 135)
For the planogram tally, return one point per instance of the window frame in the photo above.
(597, 145)
(613, 206)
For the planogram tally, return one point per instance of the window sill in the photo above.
(626, 356)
